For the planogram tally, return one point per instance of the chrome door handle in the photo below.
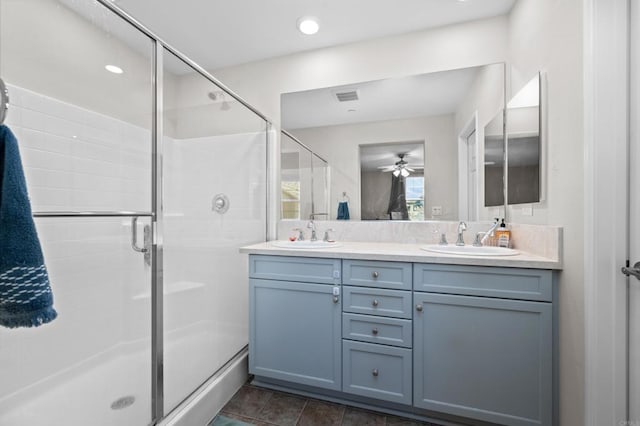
(134, 236)
(635, 271)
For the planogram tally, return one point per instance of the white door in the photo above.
(634, 215)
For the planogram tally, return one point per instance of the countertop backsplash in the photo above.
(541, 240)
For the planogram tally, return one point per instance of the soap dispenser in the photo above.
(503, 235)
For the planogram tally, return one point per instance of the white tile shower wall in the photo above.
(203, 268)
(76, 159)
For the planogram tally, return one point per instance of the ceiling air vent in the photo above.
(350, 95)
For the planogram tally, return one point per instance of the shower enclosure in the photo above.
(304, 181)
(144, 179)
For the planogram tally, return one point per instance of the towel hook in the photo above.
(4, 101)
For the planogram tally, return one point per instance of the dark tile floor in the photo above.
(264, 407)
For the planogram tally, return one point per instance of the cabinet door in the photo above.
(295, 332)
(483, 358)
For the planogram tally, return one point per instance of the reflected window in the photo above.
(290, 199)
(415, 197)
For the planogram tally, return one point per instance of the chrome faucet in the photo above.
(311, 225)
(462, 226)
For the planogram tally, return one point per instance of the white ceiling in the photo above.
(414, 96)
(218, 34)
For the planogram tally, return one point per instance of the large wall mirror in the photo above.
(422, 133)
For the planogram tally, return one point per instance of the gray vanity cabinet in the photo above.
(473, 343)
(295, 320)
(484, 358)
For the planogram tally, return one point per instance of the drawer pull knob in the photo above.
(374, 331)
(375, 274)
(419, 308)
(336, 299)
(375, 372)
(375, 302)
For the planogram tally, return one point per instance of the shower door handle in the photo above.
(134, 236)
(635, 271)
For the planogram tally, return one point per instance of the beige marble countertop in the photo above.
(405, 252)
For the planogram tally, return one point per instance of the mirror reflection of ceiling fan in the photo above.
(401, 167)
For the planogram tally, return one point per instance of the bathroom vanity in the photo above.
(391, 327)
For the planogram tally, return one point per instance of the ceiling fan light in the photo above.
(396, 173)
(404, 172)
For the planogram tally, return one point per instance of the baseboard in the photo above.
(204, 404)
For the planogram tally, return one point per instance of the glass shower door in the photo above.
(214, 177)
(320, 182)
(84, 134)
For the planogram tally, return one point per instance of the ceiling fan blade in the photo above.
(410, 169)
(387, 168)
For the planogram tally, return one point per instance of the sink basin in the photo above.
(305, 244)
(470, 250)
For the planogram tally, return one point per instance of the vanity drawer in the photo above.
(374, 329)
(377, 371)
(505, 283)
(376, 301)
(393, 275)
(300, 269)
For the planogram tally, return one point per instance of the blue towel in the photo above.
(25, 294)
(343, 210)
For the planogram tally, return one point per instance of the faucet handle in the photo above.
(443, 240)
(326, 235)
(300, 233)
(478, 241)
(462, 226)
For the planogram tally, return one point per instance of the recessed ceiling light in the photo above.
(114, 69)
(308, 25)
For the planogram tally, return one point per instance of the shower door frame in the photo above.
(157, 266)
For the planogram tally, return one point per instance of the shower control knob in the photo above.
(220, 203)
